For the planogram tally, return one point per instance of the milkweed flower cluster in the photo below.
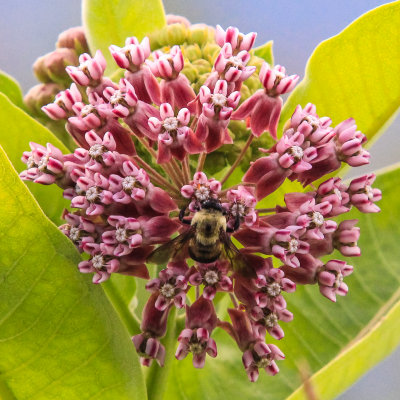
(145, 147)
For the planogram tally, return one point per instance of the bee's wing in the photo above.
(163, 253)
(232, 253)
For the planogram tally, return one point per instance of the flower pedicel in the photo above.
(141, 175)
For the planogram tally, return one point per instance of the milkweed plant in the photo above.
(191, 123)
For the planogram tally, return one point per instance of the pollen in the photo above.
(97, 150)
(128, 183)
(271, 320)
(273, 289)
(317, 218)
(202, 193)
(117, 97)
(264, 362)
(74, 233)
(211, 277)
(296, 152)
(121, 235)
(167, 290)
(369, 192)
(218, 99)
(293, 245)
(93, 194)
(42, 165)
(98, 261)
(170, 124)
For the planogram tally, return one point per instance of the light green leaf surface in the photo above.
(111, 22)
(321, 330)
(10, 87)
(17, 129)
(356, 73)
(265, 52)
(59, 336)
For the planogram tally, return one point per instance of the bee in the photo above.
(207, 239)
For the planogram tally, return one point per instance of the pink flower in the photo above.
(316, 130)
(330, 279)
(45, 164)
(133, 54)
(349, 143)
(175, 138)
(170, 285)
(62, 106)
(238, 41)
(126, 104)
(90, 71)
(79, 229)
(256, 353)
(175, 87)
(100, 263)
(195, 338)
(200, 189)
(216, 112)
(264, 106)
(312, 218)
(362, 195)
(286, 245)
(154, 326)
(231, 68)
(213, 277)
(345, 238)
(241, 204)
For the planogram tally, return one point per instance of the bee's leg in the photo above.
(182, 217)
(235, 226)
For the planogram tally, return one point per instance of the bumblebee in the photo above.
(205, 241)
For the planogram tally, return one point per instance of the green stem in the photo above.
(239, 158)
(157, 376)
(131, 323)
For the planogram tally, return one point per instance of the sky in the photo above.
(30, 28)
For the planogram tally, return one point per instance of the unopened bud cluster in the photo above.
(140, 176)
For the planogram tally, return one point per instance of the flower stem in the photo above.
(238, 159)
(234, 301)
(157, 178)
(197, 292)
(186, 169)
(129, 320)
(178, 169)
(167, 168)
(201, 161)
(266, 210)
(156, 379)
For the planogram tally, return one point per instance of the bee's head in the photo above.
(212, 204)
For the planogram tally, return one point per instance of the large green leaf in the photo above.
(59, 336)
(10, 87)
(111, 22)
(356, 73)
(334, 341)
(17, 129)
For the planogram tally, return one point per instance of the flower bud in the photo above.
(201, 34)
(51, 66)
(73, 38)
(176, 33)
(39, 96)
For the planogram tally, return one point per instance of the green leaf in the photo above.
(111, 22)
(17, 129)
(59, 336)
(337, 342)
(265, 52)
(10, 87)
(355, 73)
